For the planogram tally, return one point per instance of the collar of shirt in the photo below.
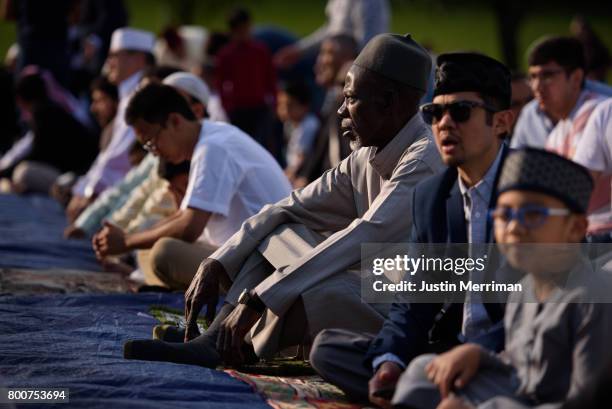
(484, 187)
(585, 94)
(384, 162)
(582, 98)
(541, 116)
(128, 85)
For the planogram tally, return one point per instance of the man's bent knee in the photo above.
(320, 351)
(162, 253)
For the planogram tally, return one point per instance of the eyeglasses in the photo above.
(529, 216)
(150, 145)
(544, 76)
(459, 111)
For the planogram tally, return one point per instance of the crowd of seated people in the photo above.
(173, 172)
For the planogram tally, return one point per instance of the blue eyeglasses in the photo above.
(529, 216)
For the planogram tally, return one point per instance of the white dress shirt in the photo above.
(113, 163)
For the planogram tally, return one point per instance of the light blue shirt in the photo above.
(533, 125)
(476, 201)
(90, 221)
(475, 208)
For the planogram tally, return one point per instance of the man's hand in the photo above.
(454, 402)
(299, 182)
(76, 206)
(232, 333)
(73, 232)
(454, 368)
(109, 241)
(203, 290)
(382, 385)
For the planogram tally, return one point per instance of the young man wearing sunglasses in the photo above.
(470, 117)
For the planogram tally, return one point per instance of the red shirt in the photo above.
(245, 75)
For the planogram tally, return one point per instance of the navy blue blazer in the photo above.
(412, 329)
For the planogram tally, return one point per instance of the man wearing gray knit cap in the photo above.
(469, 117)
(290, 270)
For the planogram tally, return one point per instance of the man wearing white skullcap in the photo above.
(192, 88)
(144, 178)
(129, 54)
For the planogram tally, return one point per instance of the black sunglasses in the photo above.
(459, 111)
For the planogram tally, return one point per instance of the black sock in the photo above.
(169, 333)
(199, 351)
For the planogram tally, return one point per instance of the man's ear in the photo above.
(174, 119)
(576, 77)
(199, 110)
(502, 121)
(579, 224)
(388, 98)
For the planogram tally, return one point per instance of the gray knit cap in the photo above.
(541, 171)
(397, 57)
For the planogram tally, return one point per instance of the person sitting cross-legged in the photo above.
(292, 267)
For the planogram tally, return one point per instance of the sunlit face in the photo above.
(328, 63)
(123, 64)
(552, 86)
(463, 143)
(521, 95)
(289, 109)
(160, 140)
(542, 248)
(555, 229)
(103, 107)
(362, 113)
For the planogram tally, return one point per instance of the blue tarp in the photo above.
(75, 342)
(31, 229)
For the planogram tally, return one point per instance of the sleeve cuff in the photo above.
(489, 359)
(206, 206)
(388, 357)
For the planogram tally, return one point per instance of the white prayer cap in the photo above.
(189, 83)
(132, 39)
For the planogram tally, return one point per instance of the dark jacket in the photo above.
(412, 329)
(60, 140)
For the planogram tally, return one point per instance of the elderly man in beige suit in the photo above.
(292, 270)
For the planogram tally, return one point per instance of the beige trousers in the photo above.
(332, 303)
(173, 263)
(34, 177)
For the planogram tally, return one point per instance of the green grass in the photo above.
(444, 28)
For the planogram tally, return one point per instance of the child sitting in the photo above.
(300, 125)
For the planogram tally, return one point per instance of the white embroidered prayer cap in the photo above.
(132, 39)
